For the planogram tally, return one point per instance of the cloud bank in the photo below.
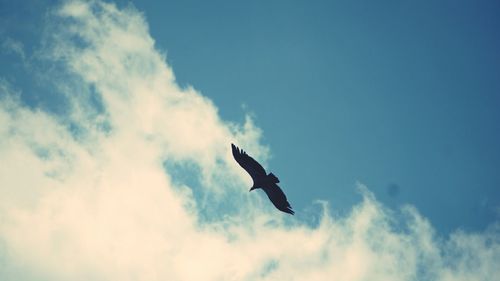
(127, 182)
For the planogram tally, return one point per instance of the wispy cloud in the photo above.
(13, 46)
(92, 195)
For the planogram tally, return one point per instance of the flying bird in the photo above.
(262, 180)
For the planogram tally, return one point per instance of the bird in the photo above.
(262, 180)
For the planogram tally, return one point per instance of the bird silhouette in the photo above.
(262, 180)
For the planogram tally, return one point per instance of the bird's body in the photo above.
(262, 180)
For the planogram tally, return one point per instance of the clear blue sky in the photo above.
(402, 96)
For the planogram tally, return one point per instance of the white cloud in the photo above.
(99, 204)
(11, 45)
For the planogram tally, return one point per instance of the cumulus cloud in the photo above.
(124, 184)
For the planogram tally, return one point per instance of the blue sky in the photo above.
(386, 110)
(385, 93)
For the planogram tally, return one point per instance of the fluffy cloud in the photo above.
(123, 185)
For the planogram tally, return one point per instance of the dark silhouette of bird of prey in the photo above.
(262, 180)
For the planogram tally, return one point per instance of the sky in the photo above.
(379, 118)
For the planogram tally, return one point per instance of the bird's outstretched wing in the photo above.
(248, 163)
(278, 198)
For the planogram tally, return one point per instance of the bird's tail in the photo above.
(273, 178)
(289, 210)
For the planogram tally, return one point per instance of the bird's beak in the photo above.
(251, 189)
